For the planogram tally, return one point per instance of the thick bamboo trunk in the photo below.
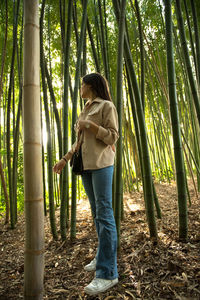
(65, 193)
(187, 60)
(119, 185)
(179, 160)
(147, 174)
(33, 188)
(74, 113)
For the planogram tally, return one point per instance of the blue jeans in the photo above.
(98, 187)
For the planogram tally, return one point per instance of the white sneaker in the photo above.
(91, 266)
(99, 285)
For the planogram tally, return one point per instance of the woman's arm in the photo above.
(108, 132)
(61, 163)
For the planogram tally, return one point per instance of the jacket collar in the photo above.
(96, 100)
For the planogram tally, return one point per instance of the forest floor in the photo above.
(169, 269)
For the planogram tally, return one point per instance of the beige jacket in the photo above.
(97, 150)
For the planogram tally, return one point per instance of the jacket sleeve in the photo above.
(69, 154)
(73, 147)
(108, 132)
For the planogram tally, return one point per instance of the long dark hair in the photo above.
(99, 85)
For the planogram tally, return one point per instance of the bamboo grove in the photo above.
(150, 54)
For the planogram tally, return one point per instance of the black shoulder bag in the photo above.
(76, 162)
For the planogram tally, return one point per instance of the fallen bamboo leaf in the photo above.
(173, 283)
(63, 243)
(139, 288)
(130, 294)
(176, 295)
(196, 290)
(185, 277)
(60, 291)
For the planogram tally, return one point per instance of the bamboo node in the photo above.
(34, 252)
(33, 200)
(31, 24)
(32, 143)
(31, 84)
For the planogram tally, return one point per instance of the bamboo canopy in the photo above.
(33, 195)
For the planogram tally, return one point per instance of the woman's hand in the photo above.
(59, 166)
(83, 124)
(87, 125)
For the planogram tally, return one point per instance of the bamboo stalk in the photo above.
(33, 188)
(119, 186)
(65, 192)
(178, 153)
(48, 125)
(74, 114)
(187, 60)
(8, 136)
(148, 190)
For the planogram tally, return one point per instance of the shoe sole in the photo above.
(93, 293)
(89, 270)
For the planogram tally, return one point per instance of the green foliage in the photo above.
(163, 175)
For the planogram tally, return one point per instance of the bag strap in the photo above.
(79, 141)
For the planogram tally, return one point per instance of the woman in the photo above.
(98, 127)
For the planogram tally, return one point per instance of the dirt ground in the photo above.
(169, 269)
